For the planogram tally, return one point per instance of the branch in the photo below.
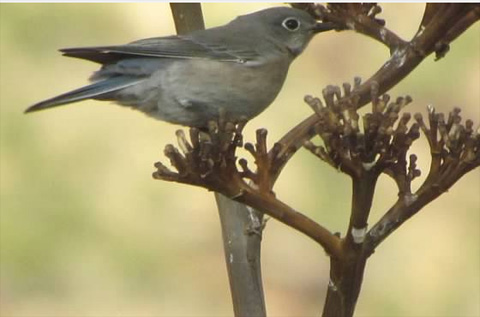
(455, 150)
(210, 161)
(188, 17)
(381, 147)
(359, 17)
(241, 226)
(363, 155)
(445, 23)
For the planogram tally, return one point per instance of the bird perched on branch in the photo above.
(239, 67)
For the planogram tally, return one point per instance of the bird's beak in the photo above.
(322, 27)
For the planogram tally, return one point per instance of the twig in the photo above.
(445, 23)
(455, 150)
(210, 161)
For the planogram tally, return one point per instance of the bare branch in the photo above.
(455, 150)
(209, 160)
(188, 17)
(445, 23)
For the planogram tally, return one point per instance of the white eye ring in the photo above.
(291, 24)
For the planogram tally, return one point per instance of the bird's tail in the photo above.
(95, 90)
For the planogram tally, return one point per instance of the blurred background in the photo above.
(86, 231)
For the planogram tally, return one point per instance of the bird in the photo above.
(238, 69)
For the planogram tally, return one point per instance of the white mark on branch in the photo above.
(253, 217)
(368, 166)
(253, 185)
(332, 286)
(454, 132)
(400, 56)
(409, 199)
(230, 258)
(358, 234)
(383, 34)
(182, 142)
(239, 194)
(420, 30)
(383, 227)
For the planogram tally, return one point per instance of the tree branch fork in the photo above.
(360, 146)
(209, 159)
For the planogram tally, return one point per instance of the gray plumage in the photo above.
(239, 67)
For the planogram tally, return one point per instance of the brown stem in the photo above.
(356, 17)
(294, 219)
(449, 163)
(404, 209)
(346, 276)
(404, 59)
(362, 197)
(217, 170)
(346, 272)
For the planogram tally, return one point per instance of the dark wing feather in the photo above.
(169, 47)
(95, 90)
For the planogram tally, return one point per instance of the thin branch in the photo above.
(444, 19)
(210, 161)
(455, 150)
(361, 155)
(187, 17)
(359, 17)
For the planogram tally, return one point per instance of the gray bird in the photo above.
(239, 67)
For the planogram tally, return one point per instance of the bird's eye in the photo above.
(291, 24)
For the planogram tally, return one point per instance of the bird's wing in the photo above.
(170, 47)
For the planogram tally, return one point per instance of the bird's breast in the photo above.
(242, 89)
